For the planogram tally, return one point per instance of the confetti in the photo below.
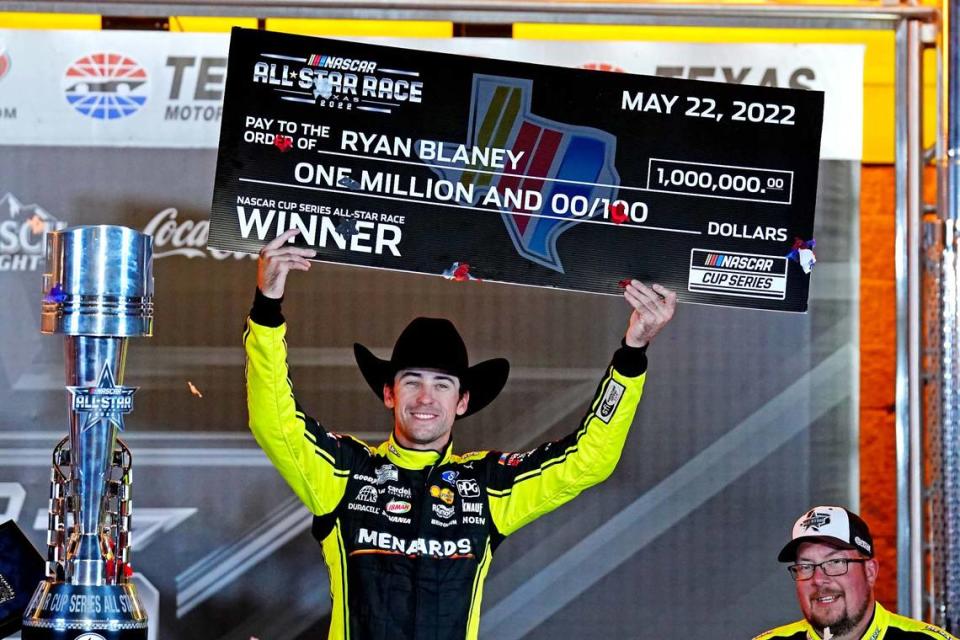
(194, 390)
(322, 87)
(802, 252)
(112, 563)
(349, 183)
(284, 143)
(618, 213)
(347, 227)
(623, 283)
(35, 224)
(459, 272)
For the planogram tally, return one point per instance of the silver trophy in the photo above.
(97, 291)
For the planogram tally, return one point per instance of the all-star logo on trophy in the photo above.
(106, 401)
(98, 292)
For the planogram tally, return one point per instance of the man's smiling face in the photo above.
(843, 603)
(425, 403)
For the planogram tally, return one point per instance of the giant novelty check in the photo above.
(479, 169)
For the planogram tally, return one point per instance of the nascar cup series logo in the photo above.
(22, 228)
(106, 86)
(746, 275)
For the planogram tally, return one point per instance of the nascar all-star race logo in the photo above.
(22, 228)
(106, 401)
(337, 82)
(106, 86)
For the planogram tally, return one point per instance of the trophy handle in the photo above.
(117, 510)
(57, 511)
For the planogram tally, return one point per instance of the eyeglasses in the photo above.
(832, 568)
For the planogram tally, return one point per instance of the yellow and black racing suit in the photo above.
(408, 535)
(884, 626)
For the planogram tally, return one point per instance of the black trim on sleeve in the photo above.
(266, 311)
(630, 361)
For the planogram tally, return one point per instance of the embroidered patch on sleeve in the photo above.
(610, 400)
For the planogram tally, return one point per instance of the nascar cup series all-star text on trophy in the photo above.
(97, 291)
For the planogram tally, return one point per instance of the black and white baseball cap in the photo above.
(834, 526)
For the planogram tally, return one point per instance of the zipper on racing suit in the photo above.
(424, 513)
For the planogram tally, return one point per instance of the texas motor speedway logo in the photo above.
(105, 86)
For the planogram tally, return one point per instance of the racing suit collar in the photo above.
(881, 619)
(416, 458)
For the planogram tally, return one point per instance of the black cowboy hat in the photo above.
(434, 343)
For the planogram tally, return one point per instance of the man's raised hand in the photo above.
(653, 308)
(276, 261)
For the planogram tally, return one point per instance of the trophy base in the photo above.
(62, 611)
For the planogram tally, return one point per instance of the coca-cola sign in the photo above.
(173, 237)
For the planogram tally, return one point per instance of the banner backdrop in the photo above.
(749, 417)
(164, 89)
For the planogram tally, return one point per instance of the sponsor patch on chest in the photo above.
(389, 543)
(468, 488)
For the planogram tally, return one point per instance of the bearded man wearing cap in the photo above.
(408, 527)
(832, 562)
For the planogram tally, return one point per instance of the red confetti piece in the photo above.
(603, 66)
(459, 272)
(618, 213)
(623, 283)
(462, 272)
(284, 143)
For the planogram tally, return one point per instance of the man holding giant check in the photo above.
(489, 170)
(408, 527)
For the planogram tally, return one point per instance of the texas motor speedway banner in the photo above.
(492, 170)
